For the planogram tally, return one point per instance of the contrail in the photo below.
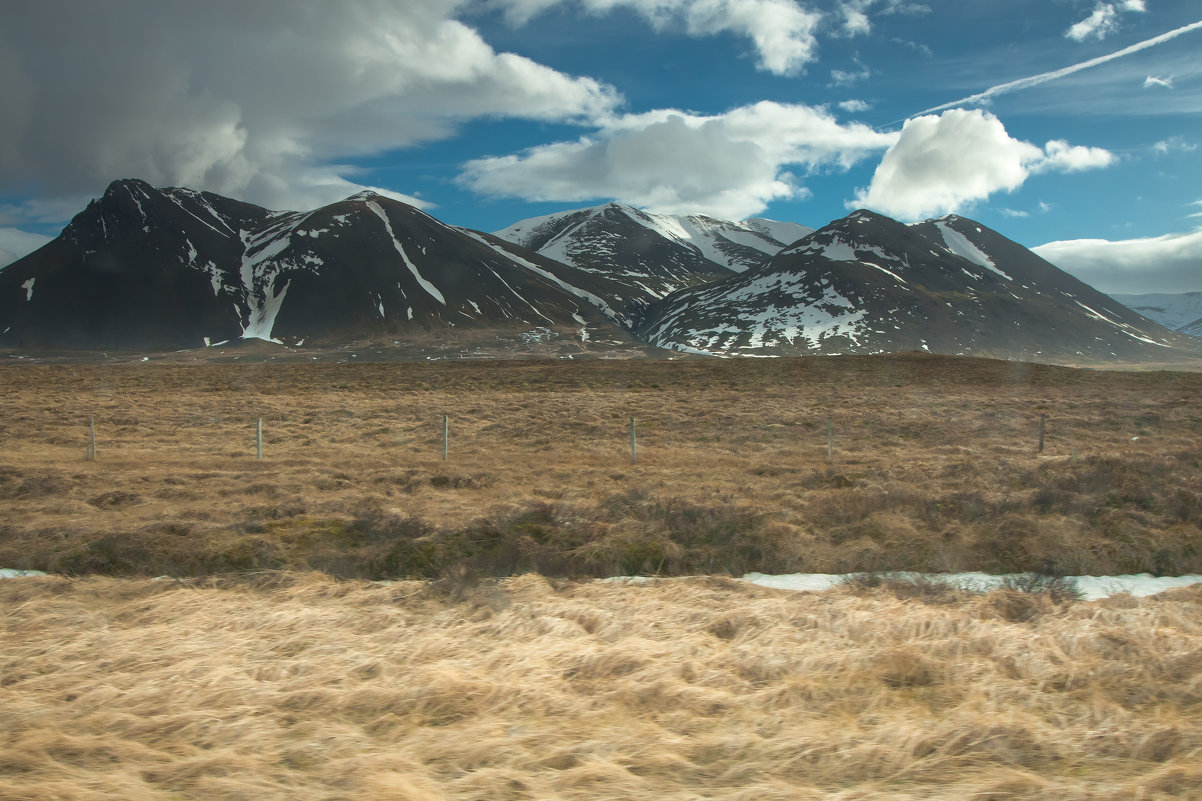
(1035, 80)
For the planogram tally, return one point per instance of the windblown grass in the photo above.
(287, 686)
(935, 468)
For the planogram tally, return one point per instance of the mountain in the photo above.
(1176, 311)
(652, 254)
(148, 268)
(161, 269)
(869, 284)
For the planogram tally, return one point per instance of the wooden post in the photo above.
(830, 440)
(633, 443)
(91, 449)
(259, 439)
(446, 435)
(1043, 421)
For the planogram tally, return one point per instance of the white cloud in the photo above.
(782, 31)
(1060, 156)
(853, 106)
(846, 77)
(1152, 80)
(1170, 263)
(255, 100)
(1103, 21)
(1174, 144)
(729, 165)
(15, 243)
(1045, 77)
(946, 163)
(856, 21)
(855, 17)
(1197, 213)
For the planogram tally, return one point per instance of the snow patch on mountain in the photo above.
(426, 285)
(784, 232)
(173, 197)
(264, 312)
(889, 273)
(1134, 333)
(263, 302)
(604, 307)
(1176, 311)
(585, 235)
(959, 244)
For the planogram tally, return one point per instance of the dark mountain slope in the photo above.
(158, 269)
(868, 284)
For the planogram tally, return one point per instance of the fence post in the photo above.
(1043, 420)
(259, 439)
(446, 435)
(633, 443)
(91, 449)
(830, 440)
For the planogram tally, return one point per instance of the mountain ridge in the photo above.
(142, 267)
(174, 268)
(867, 284)
(652, 254)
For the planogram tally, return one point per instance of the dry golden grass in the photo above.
(300, 687)
(935, 468)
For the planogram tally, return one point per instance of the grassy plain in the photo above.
(935, 467)
(275, 683)
(296, 686)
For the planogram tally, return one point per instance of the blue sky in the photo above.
(489, 111)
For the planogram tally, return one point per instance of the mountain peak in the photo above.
(364, 196)
(129, 185)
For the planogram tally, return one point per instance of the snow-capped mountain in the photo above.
(1176, 311)
(868, 284)
(652, 254)
(142, 267)
(150, 268)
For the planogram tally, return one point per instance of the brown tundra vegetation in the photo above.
(935, 466)
(467, 675)
(298, 686)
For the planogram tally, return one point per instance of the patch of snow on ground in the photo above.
(517, 294)
(562, 247)
(171, 196)
(784, 232)
(1093, 587)
(1170, 310)
(1122, 327)
(28, 287)
(259, 250)
(838, 250)
(580, 293)
(137, 202)
(262, 316)
(889, 273)
(959, 244)
(426, 285)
